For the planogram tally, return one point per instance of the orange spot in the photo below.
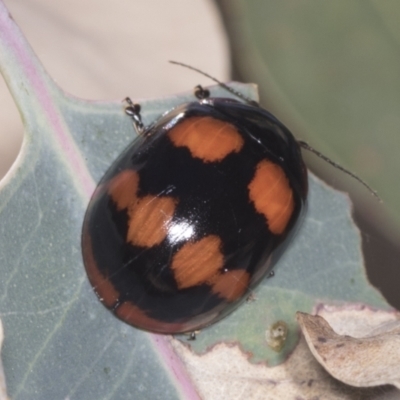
(148, 220)
(272, 195)
(101, 285)
(196, 263)
(232, 284)
(207, 138)
(123, 187)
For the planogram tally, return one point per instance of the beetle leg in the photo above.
(133, 110)
(201, 93)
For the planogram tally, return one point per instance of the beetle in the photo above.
(194, 213)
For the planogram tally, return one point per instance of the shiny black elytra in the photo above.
(193, 214)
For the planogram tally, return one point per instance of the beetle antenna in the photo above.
(223, 85)
(306, 146)
(301, 143)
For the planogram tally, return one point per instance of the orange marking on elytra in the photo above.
(123, 188)
(232, 284)
(133, 315)
(207, 138)
(196, 263)
(149, 218)
(272, 195)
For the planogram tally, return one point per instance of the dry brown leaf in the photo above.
(369, 357)
(225, 372)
